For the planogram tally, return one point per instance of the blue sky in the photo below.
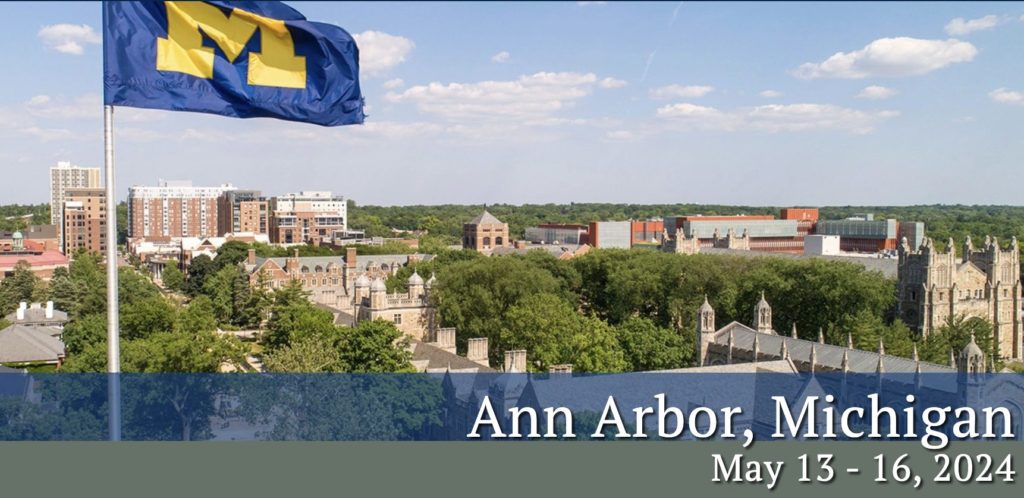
(736, 103)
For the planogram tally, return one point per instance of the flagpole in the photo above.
(113, 336)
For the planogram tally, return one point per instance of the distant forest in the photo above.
(941, 221)
(444, 222)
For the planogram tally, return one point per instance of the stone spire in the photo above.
(821, 336)
(784, 350)
(846, 361)
(814, 357)
(881, 346)
(952, 359)
(763, 316)
(881, 365)
(849, 340)
(915, 357)
(793, 333)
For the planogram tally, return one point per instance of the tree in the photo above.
(376, 347)
(162, 352)
(199, 269)
(649, 347)
(475, 295)
(954, 335)
(292, 316)
(173, 279)
(146, 317)
(553, 333)
(231, 253)
(196, 317)
(21, 286)
(83, 332)
(309, 354)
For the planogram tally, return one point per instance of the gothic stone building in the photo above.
(935, 286)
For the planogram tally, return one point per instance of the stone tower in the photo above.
(935, 286)
(763, 316)
(705, 331)
(415, 285)
(378, 294)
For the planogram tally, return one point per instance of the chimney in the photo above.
(49, 309)
(515, 361)
(251, 259)
(350, 258)
(445, 339)
(477, 352)
(564, 368)
(20, 314)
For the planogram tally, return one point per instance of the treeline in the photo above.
(19, 216)
(619, 310)
(941, 221)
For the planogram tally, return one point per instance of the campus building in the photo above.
(307, 218)
(934, 286)
(173, 209)
(85, 220)
(66, 176)
(485, 233)
(241, 211)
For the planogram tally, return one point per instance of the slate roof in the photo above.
(485, 218)
(23, 344)
(37, 316)
(827, 356)
(362, 262)
(430, 358)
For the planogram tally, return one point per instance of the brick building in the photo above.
(307, 217)
(173, 209)
(242, 211)
(85, 220)
(41, 261)
(485, 233)
(67, 176)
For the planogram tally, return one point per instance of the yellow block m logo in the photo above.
(183, 51)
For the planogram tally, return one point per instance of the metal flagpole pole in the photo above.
(113, 336)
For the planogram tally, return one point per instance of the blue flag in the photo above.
(239, 59)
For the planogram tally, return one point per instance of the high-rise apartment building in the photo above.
(62, 177)
(173, 209)
(307, 217)
(241, 211)
(85, 220)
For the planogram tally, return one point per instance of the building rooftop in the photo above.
(485, 218)
(24, 344)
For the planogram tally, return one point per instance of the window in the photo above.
(397, 319)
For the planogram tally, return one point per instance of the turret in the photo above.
(763, 316)
(378, 294)
(705, 331)
(415, 285)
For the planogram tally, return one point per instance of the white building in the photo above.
(821, 245)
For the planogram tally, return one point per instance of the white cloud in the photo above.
(876, 92)
(891, 57)
(380, 52)
(527, 98)
(770, 94)
(69, 38)
(1004, 96)
(611, 83)
(961, 27)
(773, 118)
(394, 83)
(620, 135)
(500, 57)
(680, 91)
(84, 106)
